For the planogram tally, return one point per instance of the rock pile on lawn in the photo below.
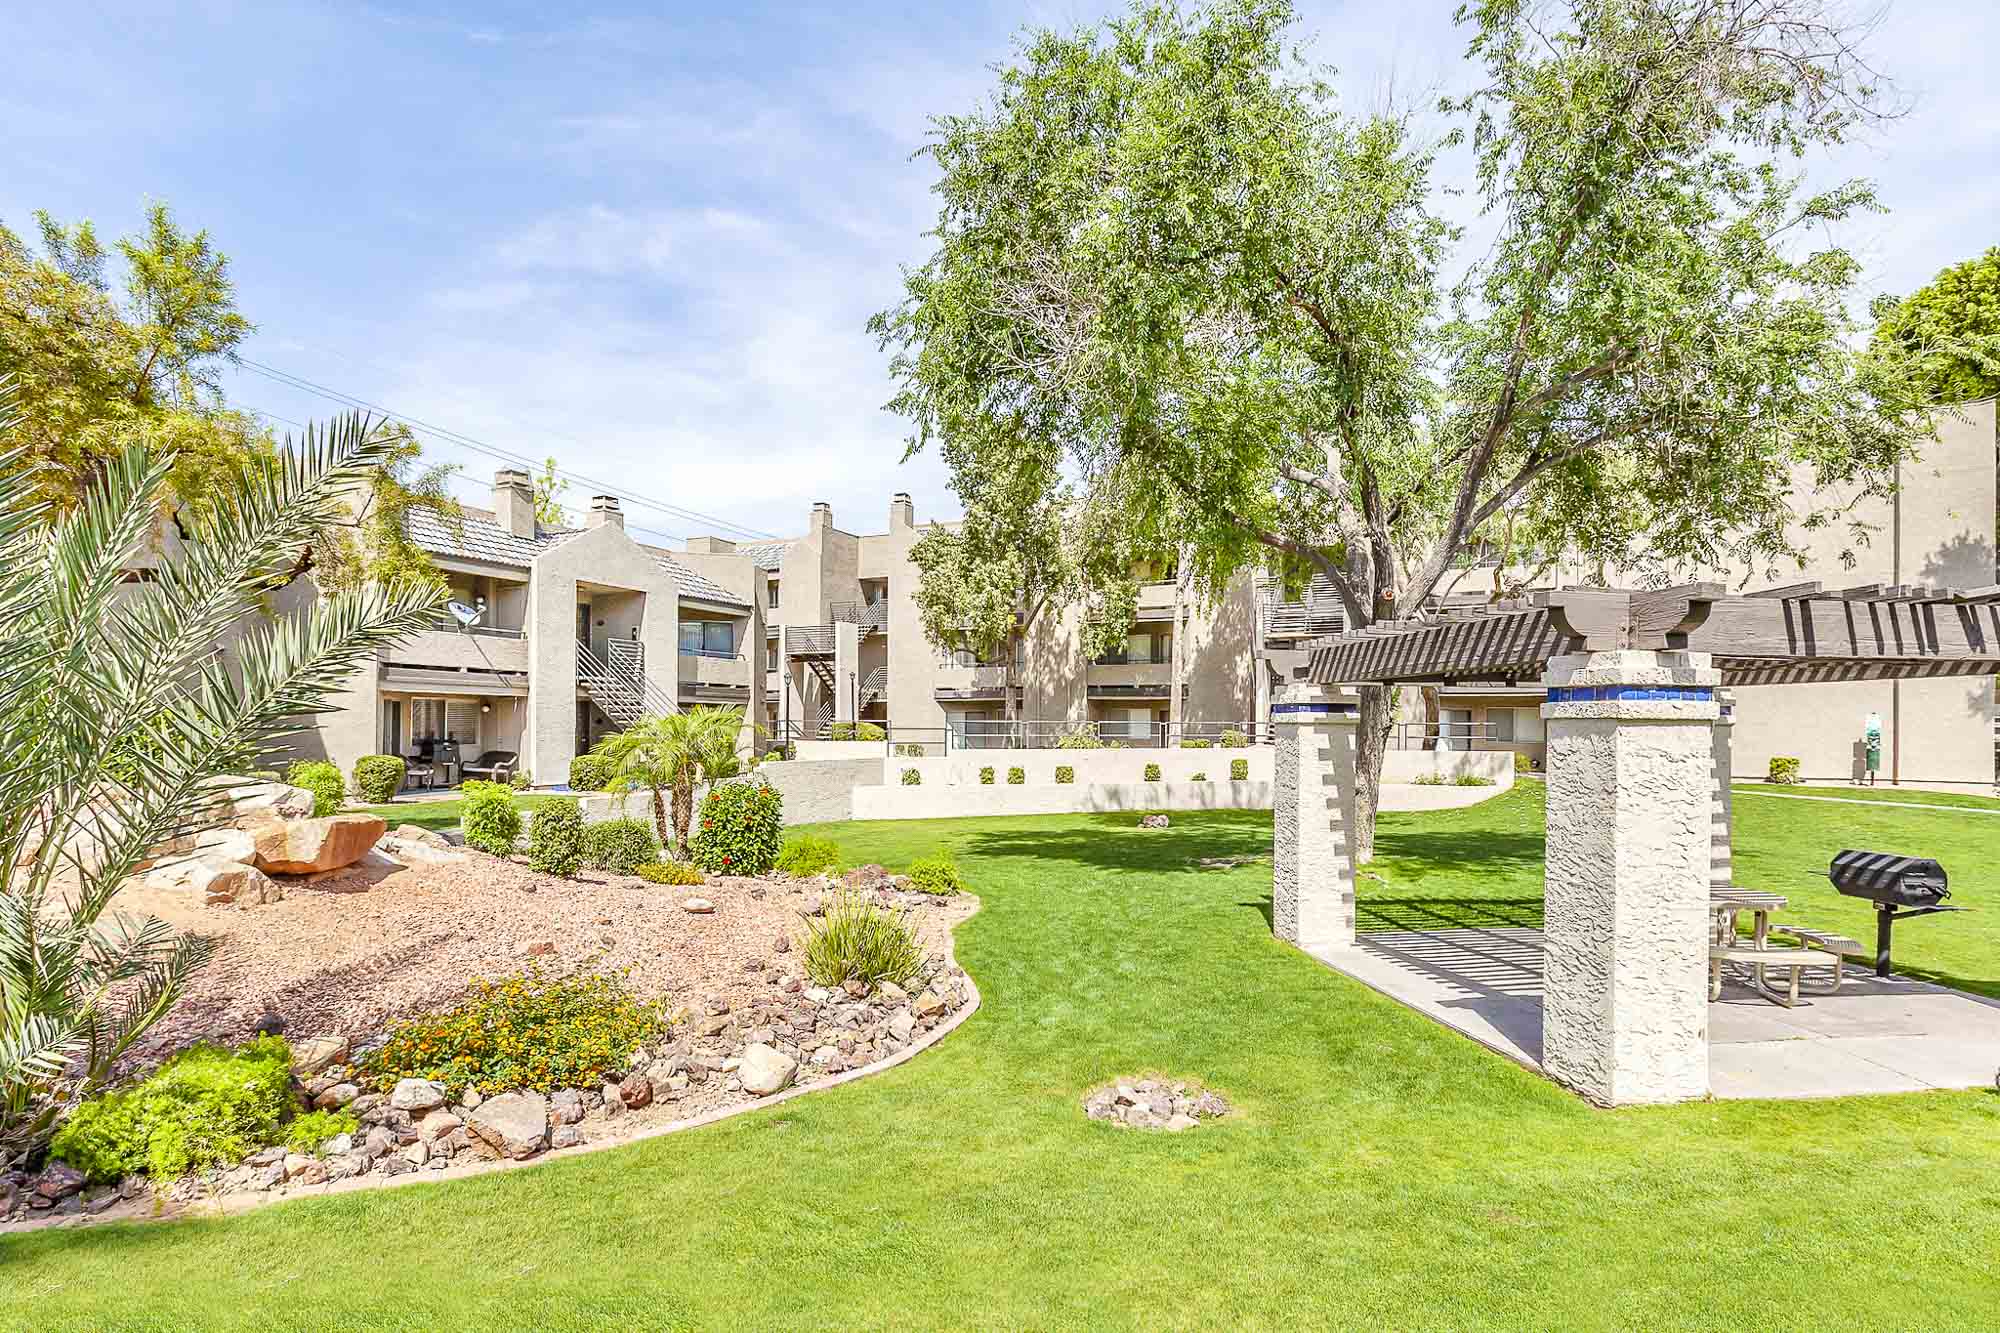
(1155, 821)
(1152, 1103)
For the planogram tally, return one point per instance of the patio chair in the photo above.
(493, 766)
(418, 769)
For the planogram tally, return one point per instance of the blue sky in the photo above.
(645, 240)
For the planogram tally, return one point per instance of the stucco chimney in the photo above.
(604, 509)
(902, 512)
(822, 516)
(514, 501)
(711, 546)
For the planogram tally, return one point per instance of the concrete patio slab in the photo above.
(1872, 1036)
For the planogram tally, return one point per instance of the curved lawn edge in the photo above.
(245, 1202)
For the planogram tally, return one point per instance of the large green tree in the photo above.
(1167, 262)
(1950, 329)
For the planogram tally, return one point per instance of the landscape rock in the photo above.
(636, 1091)
(240, 797)
(1154, 821)
(303, 1170)
(58, 1180)
(565, 1106)
(417, 1095)
(765, 1069)
(309, 846)
(339, 1095)
(316, 1054)
(697, 906)
(437, 1125)
(424, 836)
(514, 1123)
(229, 883)
(565, 1136)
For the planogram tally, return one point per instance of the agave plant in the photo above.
(119, 714)
(668, 755)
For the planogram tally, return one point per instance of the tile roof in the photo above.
(692, 584)
(480, 538)
(764, 555)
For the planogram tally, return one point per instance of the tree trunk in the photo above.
(683, 815)
(660, 823)
(1371, 744)
(1432, 716)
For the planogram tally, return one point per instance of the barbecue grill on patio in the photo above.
(1900, 887)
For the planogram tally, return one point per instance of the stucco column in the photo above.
(846, 669)
(1312, 877)
(1630, 857)
(1722, 868)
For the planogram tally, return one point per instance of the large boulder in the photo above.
(240, 797)
(515, 1124)
(308, 846)
(765, 1069)
(226, 883)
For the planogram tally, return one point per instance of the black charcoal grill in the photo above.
(1899, 886)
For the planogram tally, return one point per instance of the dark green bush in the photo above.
(555, 838)
(986, 776)
(206, 1107)
(620, 846)
(1239, 770)
(323, 780)
(935, 875)
(808, 854)
(309, 1132)
(1083, 738)
(669, 872)
(520, 779)
(910, 750)
(912, 778)
(854, 731)
(377, 779)
(1152, 772)
(490, 821)
(589, 772)
(1065, 775)
(1016, 776)
(528, 1031)
(738, 829)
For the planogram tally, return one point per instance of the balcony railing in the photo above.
(868, 615)
(446, 621)
(808, 640)
(1448, 736)
(1050, 734)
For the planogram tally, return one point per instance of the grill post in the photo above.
(1885, 920)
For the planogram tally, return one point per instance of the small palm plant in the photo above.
(118, 713)
(668, 756)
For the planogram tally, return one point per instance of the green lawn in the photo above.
(1382, 1172)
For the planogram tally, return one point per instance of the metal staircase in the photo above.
(874, 686)
(619, 686)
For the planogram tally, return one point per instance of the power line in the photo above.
(305, 385)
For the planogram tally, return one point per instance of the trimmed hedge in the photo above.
(1016, 776)
(670, 872)
(1064, 775)
(854, 731)
(1197, 777)
(936, 875)
(620, 846)
(323, 780)
(1784, 770)
(377, 778)
(912, 778)
(589, 772)
(986, 776)
(1239, 770)
(1197, 743)
(490, 821)
(1152, 772)
(1232, 739)
(555, 839)
(739, 829)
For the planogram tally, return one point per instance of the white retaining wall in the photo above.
(946, 801)
(1409, 765)
(815, 791)
(807, 751)
(1092, 767)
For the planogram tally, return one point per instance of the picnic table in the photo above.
(1815, 948)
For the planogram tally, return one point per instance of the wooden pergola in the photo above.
(1638, 779)
(1800, 634)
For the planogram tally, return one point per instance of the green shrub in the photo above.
(1239, 770)
(740, 828)
(1197, 743)
(935, 875)
(589, 772)
(323, 780)
(910, 750)
(1065, 775)
(986, 776)
(1152, 772)
(1428, 780)
(377, 779)
(206, 1107)
(1081, 739)
(555, 839)
(620, 846)
(1784, 770)
(669, 872)
(808, 854)
(520, 779)
(1016, 776)
(1523, 762)
(1197, 776)
(527, 1031)
(1232, 739)
(855, 731)
(912, 778)
(309, 1132)
(857, 939)
(1471, 780)
(490, 821)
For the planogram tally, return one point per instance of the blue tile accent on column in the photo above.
(1577, 694)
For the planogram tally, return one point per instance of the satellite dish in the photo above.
(467, 616)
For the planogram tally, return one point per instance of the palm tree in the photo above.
(118, 717)
(671, 754)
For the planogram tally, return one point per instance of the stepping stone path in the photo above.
(1154, 1103)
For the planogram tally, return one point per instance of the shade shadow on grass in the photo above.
(1372, 913)
(1116, 843)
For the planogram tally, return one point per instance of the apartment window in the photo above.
(1500, 725)
(427, 720)
(708, 638)
(771, 585)
(1151, 648)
